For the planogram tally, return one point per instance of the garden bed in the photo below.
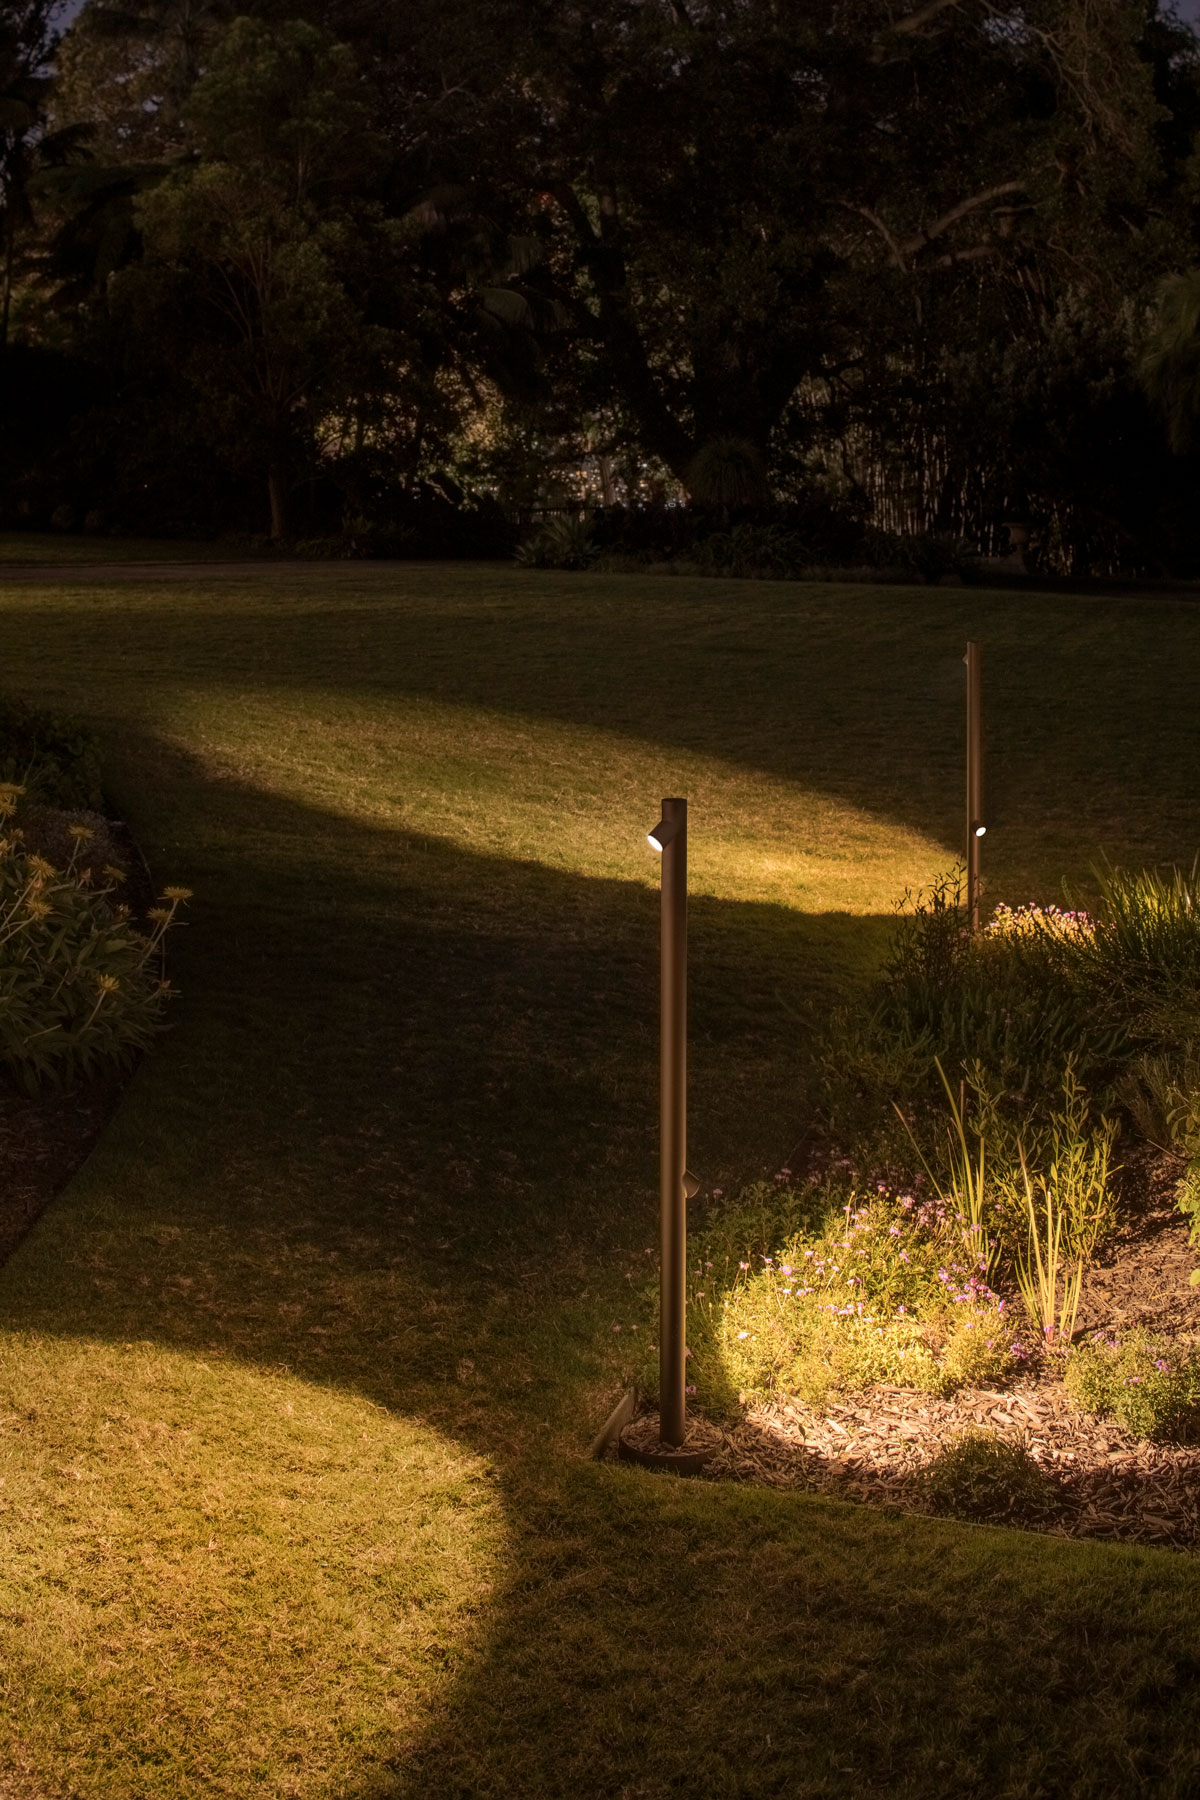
(875, 1447)
(977, 1297)
(45, 1137)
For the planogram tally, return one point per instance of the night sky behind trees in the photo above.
(391, 277)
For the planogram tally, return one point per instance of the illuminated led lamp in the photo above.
(676, 1185)
(975, 807)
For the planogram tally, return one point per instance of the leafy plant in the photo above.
(81, 988)
(1151, 1389)
(979, 1475)
(561, 543)
(1142, 958)
(988, 1189)
(727, 472)
(750, 551)
(1162, 1096)
(53, 759)
(1009, 997)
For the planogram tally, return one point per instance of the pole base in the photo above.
(639, 1442)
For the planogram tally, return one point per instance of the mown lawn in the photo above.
(299, 1374)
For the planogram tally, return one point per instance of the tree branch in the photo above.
(916, 21)
(874, 219)
(918, 241)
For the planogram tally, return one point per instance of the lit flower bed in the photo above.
(887, 1291)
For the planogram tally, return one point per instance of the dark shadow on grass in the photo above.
(399, 1062)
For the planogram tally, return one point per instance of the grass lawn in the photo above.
(297, 1378)
(63, 547)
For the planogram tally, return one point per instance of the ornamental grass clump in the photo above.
(883, 1291)
(1012, 997)
(81, 987)
(1151, 1389)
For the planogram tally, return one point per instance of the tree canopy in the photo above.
(903, 259)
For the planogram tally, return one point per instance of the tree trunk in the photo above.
(277, 493)
(6, 303)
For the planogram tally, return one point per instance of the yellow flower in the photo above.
(108, 984)
(37, 909)
(177, 893)
(113, 873)
(159, 914)
(81, 833)
(41, 868)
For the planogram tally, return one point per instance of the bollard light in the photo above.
(676, 1186)
(975, 825)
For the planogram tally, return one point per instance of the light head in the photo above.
(978, 830)
(673, 821)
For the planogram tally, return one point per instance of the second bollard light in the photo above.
(975, 824)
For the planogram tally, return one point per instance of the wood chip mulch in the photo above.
(874, 1448)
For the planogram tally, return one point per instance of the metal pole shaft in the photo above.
(673, 1124)
(974, 779)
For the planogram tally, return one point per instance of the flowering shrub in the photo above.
(882, 1291)
(1151, 1389)
(81, 987)
(1046, 924)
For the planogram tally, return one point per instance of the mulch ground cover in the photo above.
(875, 1446)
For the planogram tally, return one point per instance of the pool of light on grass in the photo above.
(569, 796)
(222, 1579)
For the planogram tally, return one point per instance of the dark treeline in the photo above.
(394, 276)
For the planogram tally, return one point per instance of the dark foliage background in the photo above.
(383, 280)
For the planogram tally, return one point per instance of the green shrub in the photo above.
(880, 1290)
(1142, 958)
(1007, 998)
(1161, 1094)
(978, 1475)
(765, 552)
(81, 988)
(728, 471)
(1151, 1389)
(561, 543)
(52, 758)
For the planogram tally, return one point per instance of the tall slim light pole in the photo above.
(676, 1186)
(975, 821)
